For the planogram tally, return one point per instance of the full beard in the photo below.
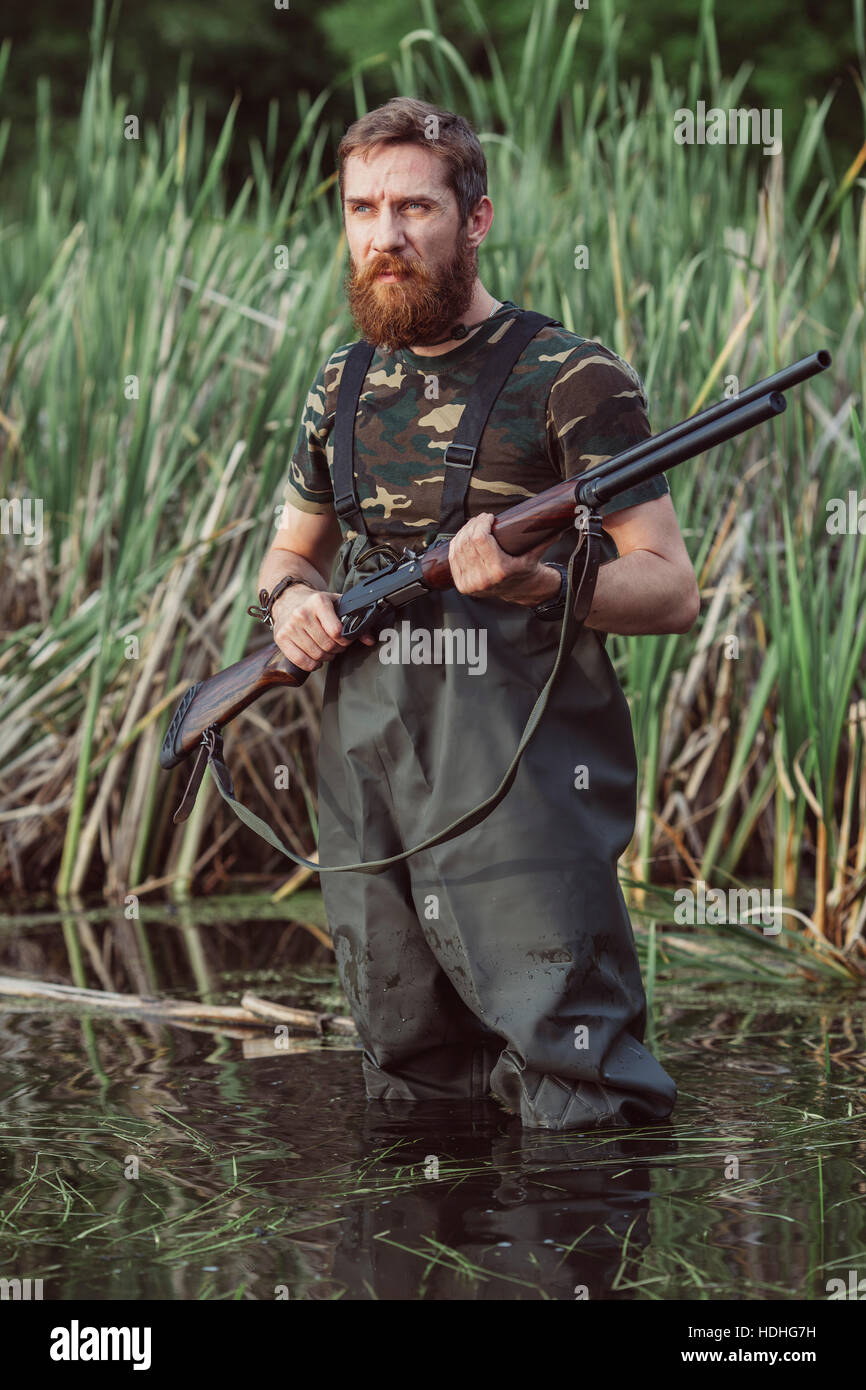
(421, 307)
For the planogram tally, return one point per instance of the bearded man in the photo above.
(503, 961)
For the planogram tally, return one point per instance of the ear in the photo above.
(479, 221)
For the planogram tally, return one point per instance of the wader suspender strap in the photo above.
(578, 598)
(345, 495)
(462, 451)
(460, 454)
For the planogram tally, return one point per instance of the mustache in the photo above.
(405, 268)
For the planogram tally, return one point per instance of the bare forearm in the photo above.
(278, 563)
(643, 593)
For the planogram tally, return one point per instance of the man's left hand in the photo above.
(480, 566)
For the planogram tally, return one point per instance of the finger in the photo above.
(485, 543)
(309, 651)
(310, 645)
(471, 553)
(325, 616)
(327, 639)
(464, 572)
(476, 524)
(473, 539)
(293, 653)
(319, 619)
(479, 527)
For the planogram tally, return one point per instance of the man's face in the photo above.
(412, 267)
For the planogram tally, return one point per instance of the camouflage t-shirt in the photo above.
(567, 404)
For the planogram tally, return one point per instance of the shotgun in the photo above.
(210, 704)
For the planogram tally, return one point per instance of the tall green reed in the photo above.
(131, 261)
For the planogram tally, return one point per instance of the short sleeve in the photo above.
(596, 408)
(308, 486)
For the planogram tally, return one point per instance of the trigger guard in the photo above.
(373, 620)
(355, 625)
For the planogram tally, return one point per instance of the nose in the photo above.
(388, 236)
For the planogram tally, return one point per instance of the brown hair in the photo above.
(406, 121)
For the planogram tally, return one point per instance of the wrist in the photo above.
(543, 586)
(269, 601)
(291, 597)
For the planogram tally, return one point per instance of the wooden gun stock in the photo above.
(221, 697)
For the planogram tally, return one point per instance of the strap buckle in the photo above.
(210, 749)
(263, 610)
(468, 450)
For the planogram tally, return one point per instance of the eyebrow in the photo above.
(401, 198)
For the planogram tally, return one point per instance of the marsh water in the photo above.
(143, 1160)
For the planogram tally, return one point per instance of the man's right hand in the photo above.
(307, 629)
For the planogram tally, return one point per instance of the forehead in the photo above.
(393, 170)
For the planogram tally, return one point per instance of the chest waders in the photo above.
(502, 958)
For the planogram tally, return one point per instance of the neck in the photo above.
(477, 313)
